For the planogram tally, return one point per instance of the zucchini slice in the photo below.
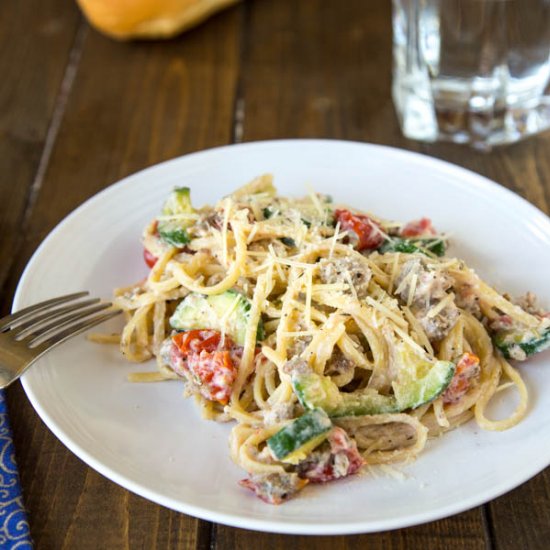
(519, 345)
(296, 440)
(178, 202)
(173, 230)
(260, 185)
(318, 391)
(227, 312)
(419, 381)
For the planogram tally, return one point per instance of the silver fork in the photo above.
(29, 333)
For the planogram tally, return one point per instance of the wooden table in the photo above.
(79, 111)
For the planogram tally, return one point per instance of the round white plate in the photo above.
(149, 439)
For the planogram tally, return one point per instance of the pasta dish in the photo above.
(330, 337)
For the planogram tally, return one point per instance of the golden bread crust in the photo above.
(126, 19)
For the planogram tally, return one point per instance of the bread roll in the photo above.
(125, 19)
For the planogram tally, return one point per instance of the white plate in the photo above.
(150, 440)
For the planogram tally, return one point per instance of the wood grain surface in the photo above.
(79, 111)
(32, 76)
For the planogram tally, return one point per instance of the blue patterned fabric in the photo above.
(14, 527)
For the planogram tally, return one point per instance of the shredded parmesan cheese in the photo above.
(440, 306)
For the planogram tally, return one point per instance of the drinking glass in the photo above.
(471, 71)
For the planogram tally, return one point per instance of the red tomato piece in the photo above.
(467, 369)
(215, 372)
(200, 354)
(150, 260)
(195, 341)
(366, 230)
(340, 460)
(419, 227)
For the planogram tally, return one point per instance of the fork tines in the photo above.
(11, 321)
(52, 321)
(27, 334)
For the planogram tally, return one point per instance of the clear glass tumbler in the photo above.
(471, 71)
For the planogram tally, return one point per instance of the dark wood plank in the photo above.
(524, 167)
(136, 104)
(323, 69)
(71, 506)
(132, 105)
(312, 69)
(319, 69)
(441, 535)
(35, 42)
(521, 519)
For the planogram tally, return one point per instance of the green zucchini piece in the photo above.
(409, 246)
(197, 311)
(314, 390)
(173, 231)
(413, 392)
(419, 381)
(178, 202)
(260, 185)
(298, 438)
(529, 342)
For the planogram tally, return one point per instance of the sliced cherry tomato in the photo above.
(343, 459)
(195, 341)
(467, 369)
(417, 228)
(215, 372)
(150, 260)
(201, 354)
(366, 230)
